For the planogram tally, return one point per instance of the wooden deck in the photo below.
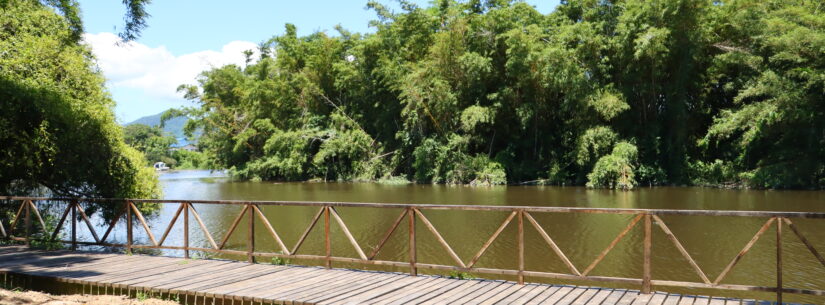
(221, 280)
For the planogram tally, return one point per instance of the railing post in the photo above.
(73, 207)
(28, 221)
(326, 238)
(185, 230)
(250, 236)
(521, 247)
(648, 242)
(413, 254)
(128, 227)
(779, 260)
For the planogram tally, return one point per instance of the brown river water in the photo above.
(712, 241)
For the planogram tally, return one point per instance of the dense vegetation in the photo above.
(158, 146)
(604, 93)
(58, 132)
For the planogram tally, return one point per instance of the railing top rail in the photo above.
(502, 208)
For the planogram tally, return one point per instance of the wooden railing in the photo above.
(411, 212)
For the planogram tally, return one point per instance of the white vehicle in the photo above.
(160, 166)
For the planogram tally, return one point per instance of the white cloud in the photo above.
(154, 70)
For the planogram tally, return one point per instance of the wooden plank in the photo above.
(87, 221)
(804, 240)
(365, 286)
(171, 224)
(316, 284)
(348, 234)
(570, 297)
(600, 296)
(681, 249)
(512, 289)
(460, 207)
(96, 269)
(20, 261)
(672, 299)
(642, 299)
(377, 292)
(250, 287)
(511, 298)
(646, 261)
(205, 230)
(440, 239)
(744, 251)
(492, 292)
(344, 283)
(460, 290)
(532, 294)
(33, 266)
(337, 287)
(275, 279)
(233, 227)
(68, 269)
(228, 271)
(717, 301)
(271, 230)
(687, 300)
(421, 296)
(551, 297)
(477, 292)
(422, 286)
(144, 224)
(703, 300)
(585, 297)
(308, 230)
(256, 277)
(491, 239)
(201, 286)
(628, 298)
(307, 285)
(147, 269)
(59, 222)
(109, 274)
(386, 237)
(552, 244)
(614, 297)
(160, 277)
(658, 298)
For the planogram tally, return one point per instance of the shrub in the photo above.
(615, 170)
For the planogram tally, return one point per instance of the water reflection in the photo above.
(711, 241)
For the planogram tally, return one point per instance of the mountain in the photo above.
(173, 126)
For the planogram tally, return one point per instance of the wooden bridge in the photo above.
(221, 280)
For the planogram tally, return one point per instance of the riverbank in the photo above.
(9, 297)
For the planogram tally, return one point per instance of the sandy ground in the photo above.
(33, 297)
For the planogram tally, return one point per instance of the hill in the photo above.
(173, 126)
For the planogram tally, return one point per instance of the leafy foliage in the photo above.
(491, 92)
(59, 130)
(151, 141)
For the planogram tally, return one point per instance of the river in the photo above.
(711, 241)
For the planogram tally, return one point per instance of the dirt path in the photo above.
(33, 297)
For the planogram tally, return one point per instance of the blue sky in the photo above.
(185, 37)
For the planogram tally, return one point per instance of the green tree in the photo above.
(491, 92)
(59, 131)
(152, 142)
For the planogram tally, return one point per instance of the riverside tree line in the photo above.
(605, 93)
